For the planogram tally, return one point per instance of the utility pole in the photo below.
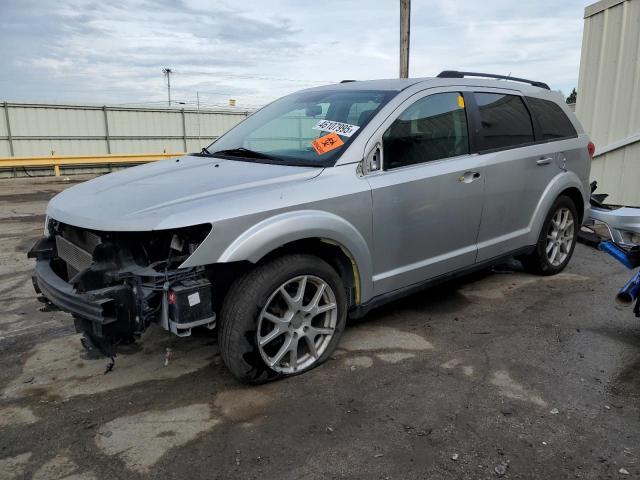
(405, 27)
(198, 117)
(167, 73)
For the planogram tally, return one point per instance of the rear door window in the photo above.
(505, 121)
(554, 123)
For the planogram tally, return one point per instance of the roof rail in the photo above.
(456, 74)
(346, 81)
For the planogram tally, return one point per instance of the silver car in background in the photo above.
(318, 207)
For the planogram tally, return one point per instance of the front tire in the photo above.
(557, 239)
(282, 318)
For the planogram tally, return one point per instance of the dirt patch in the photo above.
(14, 467)
(510, 388)
(16, 416)
(13, 232)
(20, 285)
(40, 196)
(26, 244)
(242, 405)
(8, 319)
(395, 357)
(454, 363)
(61, 467)
(497, 286)
(6, 278)
(54, 366)
(628, 381)
(368, 338)
(24, 219)
(359, 362)
(141, 440)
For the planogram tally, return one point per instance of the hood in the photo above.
(145, 197)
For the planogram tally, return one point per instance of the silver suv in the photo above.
(318, 207)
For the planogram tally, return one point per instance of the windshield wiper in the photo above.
(245, 153)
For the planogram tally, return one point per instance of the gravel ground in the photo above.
(499, 374)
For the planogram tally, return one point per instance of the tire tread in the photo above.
(241, 303)
(536, 262)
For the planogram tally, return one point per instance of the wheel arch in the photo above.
(566, 183)
(324, 234)
(576, 197)
(335, 254)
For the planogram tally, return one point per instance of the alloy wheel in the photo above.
(297, 324)
(560, 236)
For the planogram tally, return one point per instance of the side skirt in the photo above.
(360, 311)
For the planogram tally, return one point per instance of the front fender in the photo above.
(269, 234)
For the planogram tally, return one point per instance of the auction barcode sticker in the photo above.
(344, 129)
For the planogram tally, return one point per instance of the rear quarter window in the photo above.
(553, 122)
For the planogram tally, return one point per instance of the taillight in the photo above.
(591, 148)
(172, 298)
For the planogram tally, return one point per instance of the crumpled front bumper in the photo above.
(110, 295)
(103, 312)
(97, 306)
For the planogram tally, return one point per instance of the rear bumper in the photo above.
(623, 223)
(97, 306)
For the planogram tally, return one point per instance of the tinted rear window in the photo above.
(553, 121)
(505, 120)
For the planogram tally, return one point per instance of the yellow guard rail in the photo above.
(57, 161)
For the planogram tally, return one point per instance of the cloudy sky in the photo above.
(103, 51)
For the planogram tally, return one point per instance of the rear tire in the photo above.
(557, 239)
(282, 318)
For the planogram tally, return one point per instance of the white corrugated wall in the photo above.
(36, 129)
(608, 103)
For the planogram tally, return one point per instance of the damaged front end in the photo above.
(115, 284)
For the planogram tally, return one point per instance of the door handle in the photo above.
(469, 177)
(544, 161)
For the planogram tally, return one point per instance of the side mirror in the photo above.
(373, 160)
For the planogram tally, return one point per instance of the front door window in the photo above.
(433, 128)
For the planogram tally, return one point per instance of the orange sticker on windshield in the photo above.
(460, 101)
(327, 143)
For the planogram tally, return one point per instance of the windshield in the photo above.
(307, 128)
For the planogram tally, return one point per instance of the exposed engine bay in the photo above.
(116, 284)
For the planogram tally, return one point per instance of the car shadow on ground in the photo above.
(440, 298)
